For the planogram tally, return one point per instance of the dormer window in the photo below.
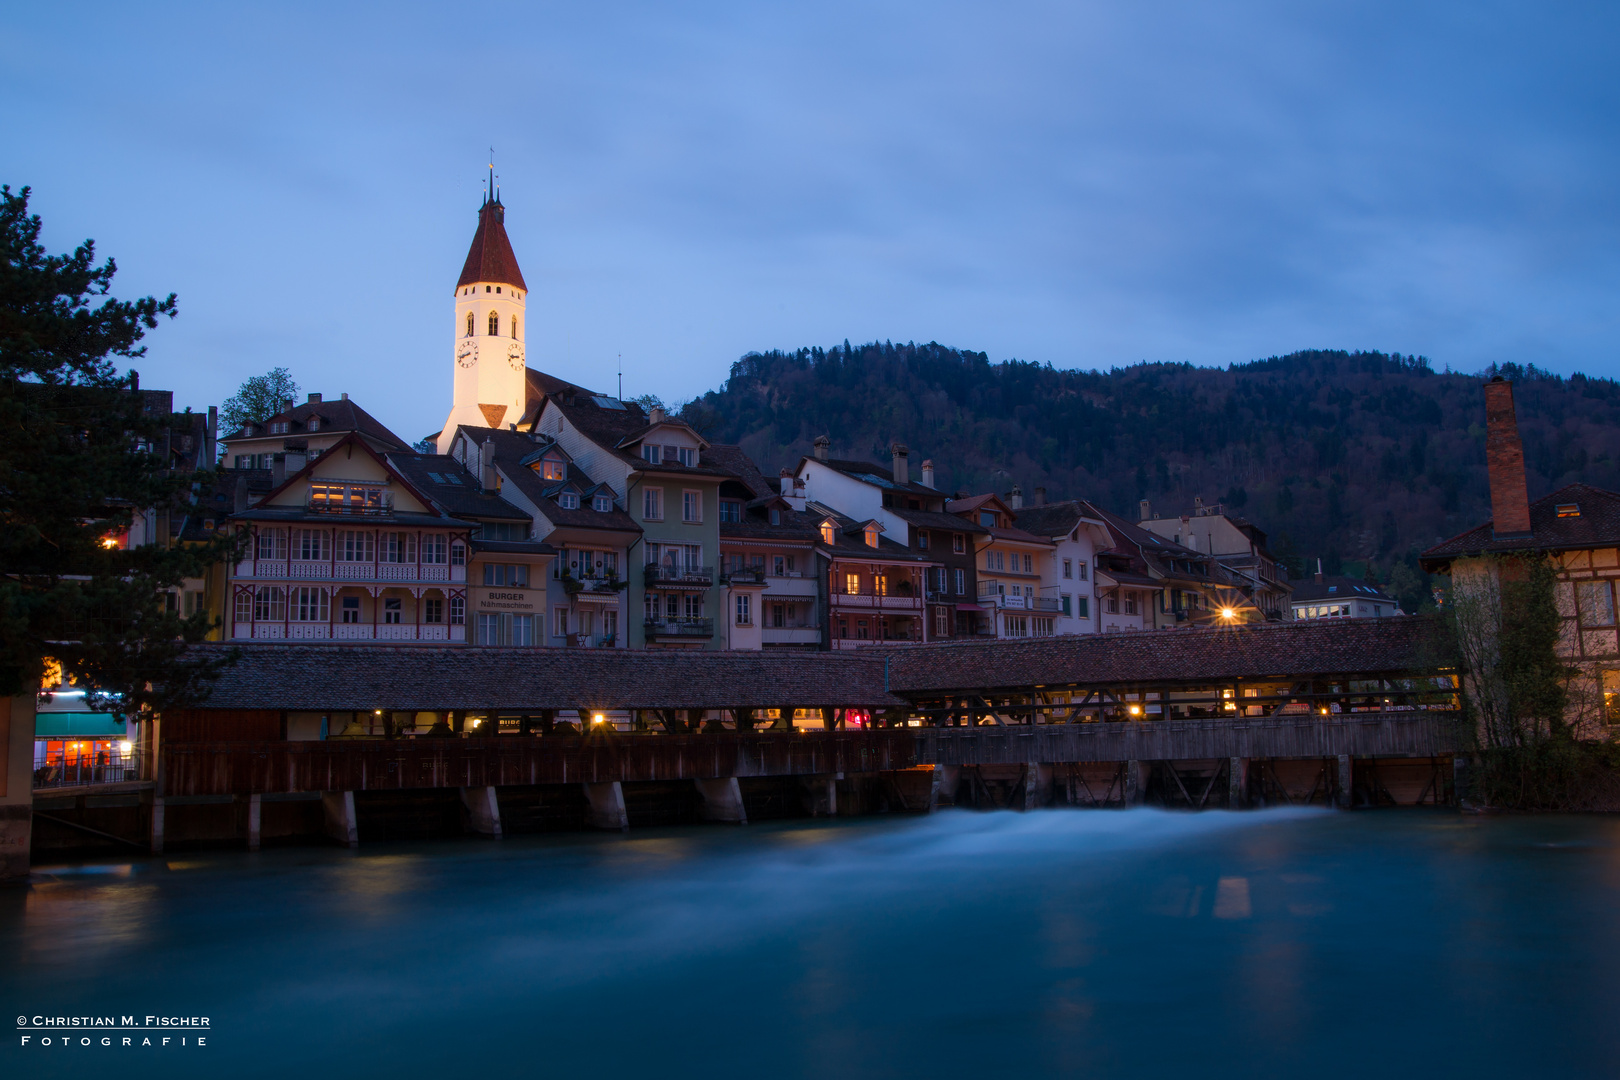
(776, 516)
(730, 510)
(551, 469)
(602, 504)
(568, 500)
(871, 536)
(279, 427)
(313, 424)
(686, 455)
(650, 454)
(1569, 510)
(987, 519)
(829, 532)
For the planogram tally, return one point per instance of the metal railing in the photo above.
(747, 575)
(103, 769)
(679, 627)
(658, 573)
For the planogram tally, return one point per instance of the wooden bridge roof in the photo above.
(347, 678)
(1307, 648)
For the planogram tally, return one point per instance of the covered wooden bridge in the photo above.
(1340, 711)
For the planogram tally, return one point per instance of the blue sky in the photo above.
(1081, 184)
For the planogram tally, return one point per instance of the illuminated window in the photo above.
(852, 584)
(1611, 696)
(829, 533)
(871, 536)
(1569, 510)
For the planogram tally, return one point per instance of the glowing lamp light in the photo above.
(1135, 709)
(1228, 613)
(125, 747)
(598, 718)
(109, 543)
(377, 712)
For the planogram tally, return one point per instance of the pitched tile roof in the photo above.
(1332, 587)
(1313, 647)
(934, 519)
(876, 475)
(849, 546)
(514, 448)
(1053, 519)
(340, 415)
(452, 488)
(357, 678)
(490, 257)
(1598, 525)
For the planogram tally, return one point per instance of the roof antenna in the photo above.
(489, 182)
(621, 376)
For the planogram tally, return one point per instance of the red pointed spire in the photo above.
(490, 258)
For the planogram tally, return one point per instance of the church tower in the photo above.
(491, 388)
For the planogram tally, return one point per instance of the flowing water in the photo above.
(1140, 943)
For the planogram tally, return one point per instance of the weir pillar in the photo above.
(253, 816)
(1347, 794)
(483, 810)
(157, 825)
(16, 786)
(338, 809)
(821, 795)
(722, 800)
(606, 809)
(1135, 782)
(1237, 775)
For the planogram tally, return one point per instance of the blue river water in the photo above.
(1066, 943)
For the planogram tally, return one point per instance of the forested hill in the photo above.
(1347, 456)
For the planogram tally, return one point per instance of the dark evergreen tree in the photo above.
(77, 463)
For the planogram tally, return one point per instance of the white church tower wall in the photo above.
(491, 382)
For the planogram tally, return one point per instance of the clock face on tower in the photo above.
(514, 356)
(467, 352)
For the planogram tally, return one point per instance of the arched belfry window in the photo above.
(494, 324)
(514, 328)
(469, 324)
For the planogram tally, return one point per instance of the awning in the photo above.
(970, 607)
(78, 725)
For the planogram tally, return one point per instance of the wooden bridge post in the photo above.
(821, 795)
(1347, 794)
(16, 786)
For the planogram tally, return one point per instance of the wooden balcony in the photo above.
(325, 570)
(355, 632)
(868, 601)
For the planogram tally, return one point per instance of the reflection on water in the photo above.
(954, 945)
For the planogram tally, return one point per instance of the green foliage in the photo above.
(1517, 689)
(258, 399)
(76, 466)
(1364, 454)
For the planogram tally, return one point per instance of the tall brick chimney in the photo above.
(902, 467)
(821, 444)
(1504, 461)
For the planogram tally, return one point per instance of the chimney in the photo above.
(1198, 502)
(345, 397)
(1319, 571)
(1015, 499)
(287, 405)
(1143, 510)
(798, 493)
(314, 399)
(928, 473)
(786, 484)
(241, 493)
(821, 444)
(1504, 461)
(1040, 497)
(278, 469)
(213, 435)
(902, 466)
(486, 466)
(655, 415)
